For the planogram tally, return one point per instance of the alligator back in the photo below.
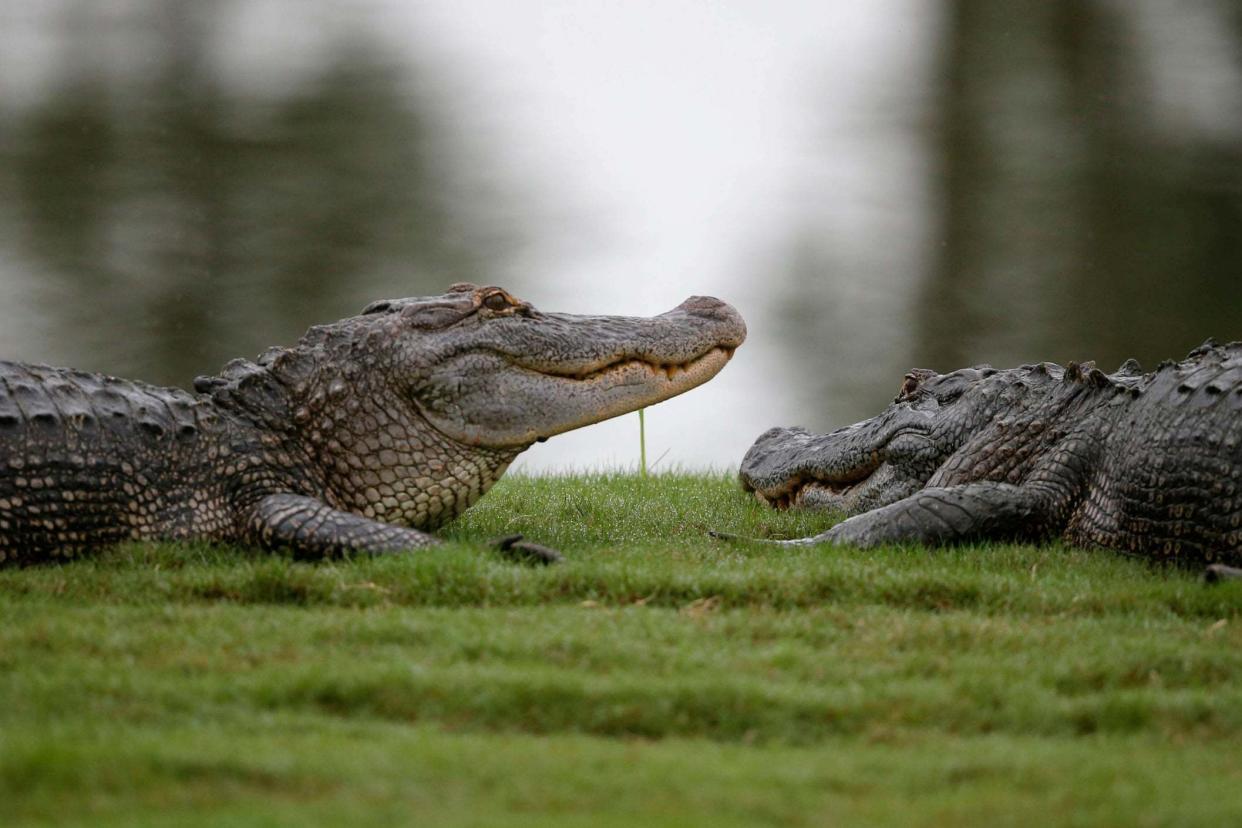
(1170, 483)
(1149, 464)
(87, 459)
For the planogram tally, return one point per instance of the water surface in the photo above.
(875, 186)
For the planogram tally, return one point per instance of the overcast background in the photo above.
(875, 186)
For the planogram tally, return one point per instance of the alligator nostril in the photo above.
(725, 321)
(708, 306)
(702, 303)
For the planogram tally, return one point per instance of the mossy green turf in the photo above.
(657, 677)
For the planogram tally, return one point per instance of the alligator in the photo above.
(1148, 464)
(363, 437)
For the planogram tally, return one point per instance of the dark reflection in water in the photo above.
(1075, 224)
(1044, 180)
(1084, 201)
(176, 221)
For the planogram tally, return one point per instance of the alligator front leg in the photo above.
(311, 528)
(944, 515)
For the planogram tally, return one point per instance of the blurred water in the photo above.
(875, 186)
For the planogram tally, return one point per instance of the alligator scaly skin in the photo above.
(363, 437)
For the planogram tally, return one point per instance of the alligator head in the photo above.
(888, 457)
(432, 397)
(487, 369)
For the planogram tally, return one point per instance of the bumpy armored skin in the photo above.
(1148, 464)
(362, 437)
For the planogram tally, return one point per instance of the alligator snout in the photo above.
(708, 306)
(729, 327)
(771, 463)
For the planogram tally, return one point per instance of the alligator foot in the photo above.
(516, 549)
(1220, 572)
(312, 529)
(729, 536)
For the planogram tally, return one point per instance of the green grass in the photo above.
(658, 677)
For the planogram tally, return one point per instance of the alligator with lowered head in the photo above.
(361, 438)
(1147, 464)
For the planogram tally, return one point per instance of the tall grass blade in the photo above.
(642, 442)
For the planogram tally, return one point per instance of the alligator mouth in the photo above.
(671, 371)
(554, 399)
(794, 491)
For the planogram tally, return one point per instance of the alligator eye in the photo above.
(496, 302)
(431, 317)
(909, 385)
(377, 307)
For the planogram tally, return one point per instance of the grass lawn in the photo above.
(656, 678)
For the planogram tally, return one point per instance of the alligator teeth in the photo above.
(669, 370)
(791, 493)
(780, 502)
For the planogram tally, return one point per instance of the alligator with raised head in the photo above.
(361, 438)
(1148, 464)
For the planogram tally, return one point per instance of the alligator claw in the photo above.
(516, 549)
(732, 538)
(814, 540)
